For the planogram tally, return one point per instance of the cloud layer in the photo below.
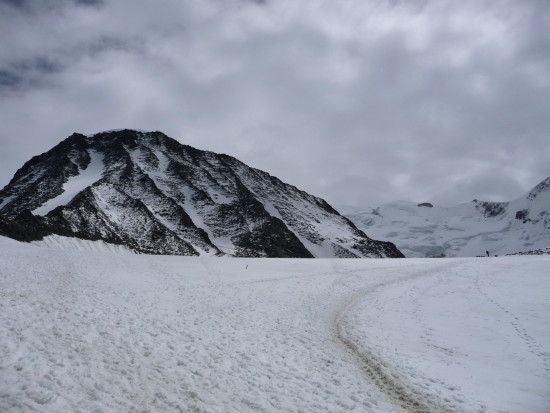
(359, 102)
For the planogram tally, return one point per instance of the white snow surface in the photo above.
(75, 184)
(77, 244)
(96, 331)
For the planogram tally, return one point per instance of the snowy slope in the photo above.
(96, 331)
(154, 195)
(463, 230)
(75, 244)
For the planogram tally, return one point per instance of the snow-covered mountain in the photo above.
(424, 230)
(154, 195)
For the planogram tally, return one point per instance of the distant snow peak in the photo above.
(469, 229)
(154, 195)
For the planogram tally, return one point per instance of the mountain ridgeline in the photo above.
(466, 230)
(154, 195)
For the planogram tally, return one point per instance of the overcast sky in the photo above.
(357, 101)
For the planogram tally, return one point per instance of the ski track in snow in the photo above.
(468, 352)
(85, 331)
(375, 369)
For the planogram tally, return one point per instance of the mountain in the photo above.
(154, 195)
(424, 230)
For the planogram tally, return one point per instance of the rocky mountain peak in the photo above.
(151, 193)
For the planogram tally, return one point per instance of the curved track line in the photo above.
(372, 366)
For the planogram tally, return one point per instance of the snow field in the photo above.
(474, 333)
(103, 332)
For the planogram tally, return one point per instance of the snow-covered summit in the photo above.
(154, 195)
(470, 229)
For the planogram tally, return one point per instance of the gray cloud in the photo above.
(359, 102)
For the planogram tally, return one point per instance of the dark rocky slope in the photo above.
(155, 195)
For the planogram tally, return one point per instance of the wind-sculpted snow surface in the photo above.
(154, 195)
(82, 330)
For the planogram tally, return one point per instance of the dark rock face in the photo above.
(541, 188)
(523, 215)
(492, 209)
(157, 196)
(25, 227)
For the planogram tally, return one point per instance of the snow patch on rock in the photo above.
(75, 184)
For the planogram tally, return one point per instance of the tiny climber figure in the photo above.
(487, 253)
